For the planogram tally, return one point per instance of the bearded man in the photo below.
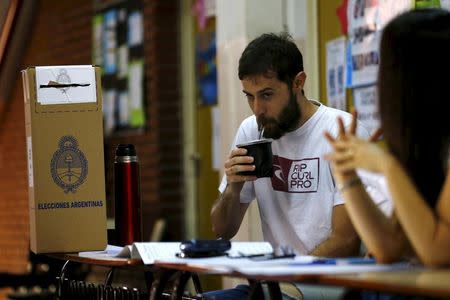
(300, 205)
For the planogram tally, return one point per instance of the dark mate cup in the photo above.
(261, 151)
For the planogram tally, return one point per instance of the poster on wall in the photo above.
(388, 9)
(365, 59)
(363, 42)
(136, 93)
(109, 42)
(206, 65)
(445, 4)
(118, 48)
(365, 100)
(336, 73)
(366, 20)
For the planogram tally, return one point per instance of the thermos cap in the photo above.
(125, 150)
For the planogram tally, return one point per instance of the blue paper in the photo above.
(336, 261)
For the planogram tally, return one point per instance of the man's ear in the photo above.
(299, 81)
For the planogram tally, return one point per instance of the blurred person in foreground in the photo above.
(414, 55)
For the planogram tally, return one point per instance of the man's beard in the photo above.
(288, 120)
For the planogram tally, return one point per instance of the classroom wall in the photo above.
(61, 34)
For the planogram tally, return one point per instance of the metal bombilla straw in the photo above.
(261, 132)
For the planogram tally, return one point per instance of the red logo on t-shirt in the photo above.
(295, 176)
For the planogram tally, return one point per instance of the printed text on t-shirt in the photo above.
(295, 176)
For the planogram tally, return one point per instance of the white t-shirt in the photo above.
(296, 204)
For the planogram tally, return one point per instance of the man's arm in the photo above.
(343, 240)
(228, 211)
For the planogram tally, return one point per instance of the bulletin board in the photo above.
(349, 37)
(118, 48)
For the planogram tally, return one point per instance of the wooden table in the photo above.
(427, 282)
(110, 262)
(431, 283)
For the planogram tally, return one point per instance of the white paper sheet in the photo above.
(364, 41)
(285, 269)
(445, 4)
(336, 73)
(365, 59)
(65, 75)
(166, 252)
(389, 9)
(109, 253)
(366, 104)
(150, 252)
(136, 29)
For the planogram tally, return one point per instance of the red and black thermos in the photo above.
(128, 218)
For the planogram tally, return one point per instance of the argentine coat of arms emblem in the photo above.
(69, 166)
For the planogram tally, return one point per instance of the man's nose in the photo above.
(258, 107)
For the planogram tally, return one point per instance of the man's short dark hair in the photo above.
(271, 53)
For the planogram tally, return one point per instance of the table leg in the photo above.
(109, 277)
(257, 292)
(148, 281)
(61, 283)
(197, 284)
(161, 277)
(179, 285)
(274, 290)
